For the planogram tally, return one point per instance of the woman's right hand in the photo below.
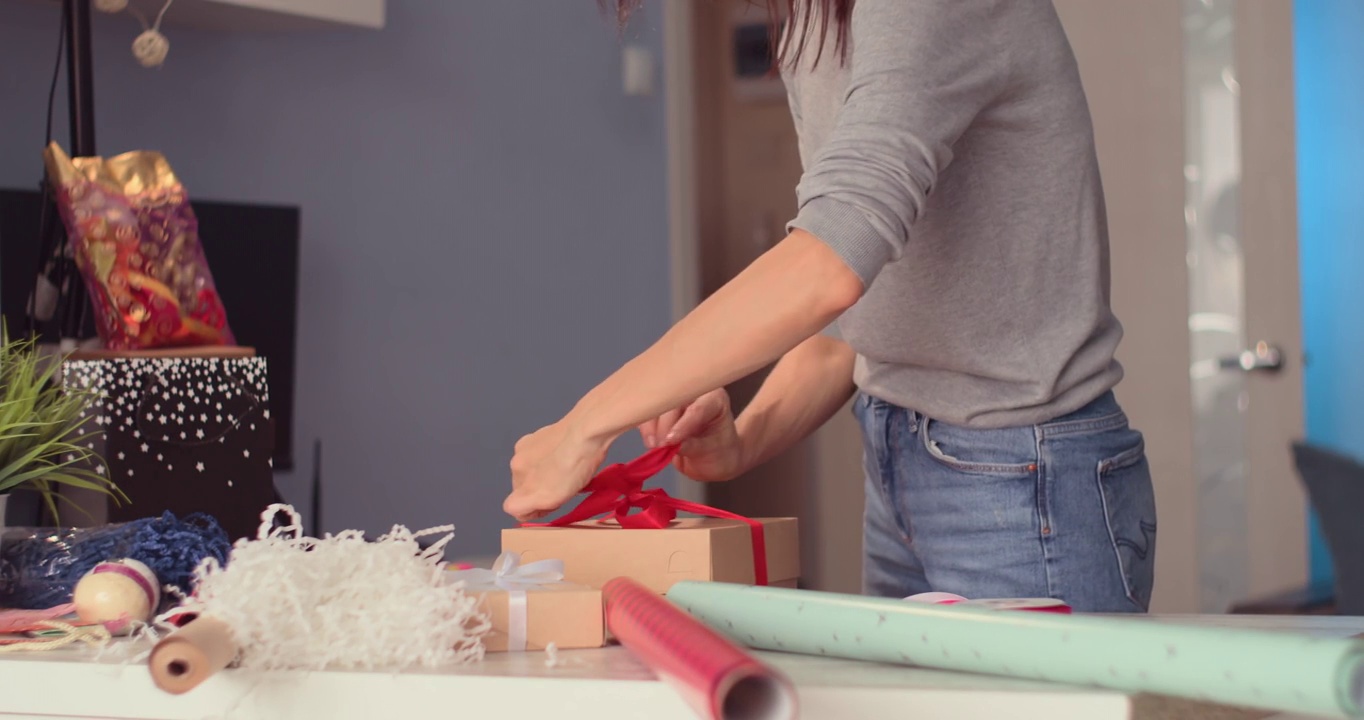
(711, 450)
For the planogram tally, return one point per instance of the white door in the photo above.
(1193, 111)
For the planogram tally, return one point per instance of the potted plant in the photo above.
(47, 437)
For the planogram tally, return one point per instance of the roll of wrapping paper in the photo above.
(1270, 670)
(192, 654)
(718, 679)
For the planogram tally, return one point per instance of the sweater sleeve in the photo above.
(921, 71)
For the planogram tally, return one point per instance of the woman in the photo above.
(949, 264)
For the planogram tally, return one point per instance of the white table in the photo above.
(598, 684)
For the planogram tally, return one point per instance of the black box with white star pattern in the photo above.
(182, 434)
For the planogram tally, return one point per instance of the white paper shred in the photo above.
(295, 602)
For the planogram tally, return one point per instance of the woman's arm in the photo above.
(921, 72)
(790, 293)
(786, 296)
(802, 392)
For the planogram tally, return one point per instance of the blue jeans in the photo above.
(1060, 510)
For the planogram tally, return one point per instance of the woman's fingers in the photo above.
(695, 419)
(648, 432)
(677, 426)
(665, 426)
(653, 431)
(685, 427)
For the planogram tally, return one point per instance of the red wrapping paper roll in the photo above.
(719, 680)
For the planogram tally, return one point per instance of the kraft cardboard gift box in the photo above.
(566, 614)
(707, 549)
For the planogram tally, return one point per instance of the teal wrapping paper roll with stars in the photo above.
(1270, 670)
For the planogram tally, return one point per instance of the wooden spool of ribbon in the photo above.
(192, 654)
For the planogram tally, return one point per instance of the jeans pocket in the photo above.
(1130, 510)
(1008, 452)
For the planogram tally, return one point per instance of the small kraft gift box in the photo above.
(530, 607)
(653, 546)
(184, 431)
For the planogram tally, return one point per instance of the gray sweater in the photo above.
(950, 162)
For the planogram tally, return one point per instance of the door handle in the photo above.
(1262, 358)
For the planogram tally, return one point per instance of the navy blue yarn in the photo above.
(42, 570)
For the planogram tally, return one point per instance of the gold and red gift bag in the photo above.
(135, 240)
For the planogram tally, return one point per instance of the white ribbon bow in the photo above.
(510, 575)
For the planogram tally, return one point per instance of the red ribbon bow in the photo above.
(620, 487)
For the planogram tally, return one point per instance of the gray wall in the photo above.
(484, 221)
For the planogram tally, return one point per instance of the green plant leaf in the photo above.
(72, 480)
(35, 473)
(41, 426)
(48, 496)
(74, 506)
(11, 472)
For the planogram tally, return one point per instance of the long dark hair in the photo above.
(800, 14)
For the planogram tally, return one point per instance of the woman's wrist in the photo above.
(585, 424)
(748, 429)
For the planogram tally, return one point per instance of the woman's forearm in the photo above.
(802, 392)
(784, 297)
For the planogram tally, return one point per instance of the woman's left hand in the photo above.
(549, 467)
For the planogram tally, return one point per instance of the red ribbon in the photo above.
(620, 487)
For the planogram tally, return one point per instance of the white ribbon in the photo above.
(509, 574)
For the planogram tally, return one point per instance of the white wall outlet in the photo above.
(637, 70)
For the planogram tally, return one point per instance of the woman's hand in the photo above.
(710, 446)
(549, 467)
(781, 300)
